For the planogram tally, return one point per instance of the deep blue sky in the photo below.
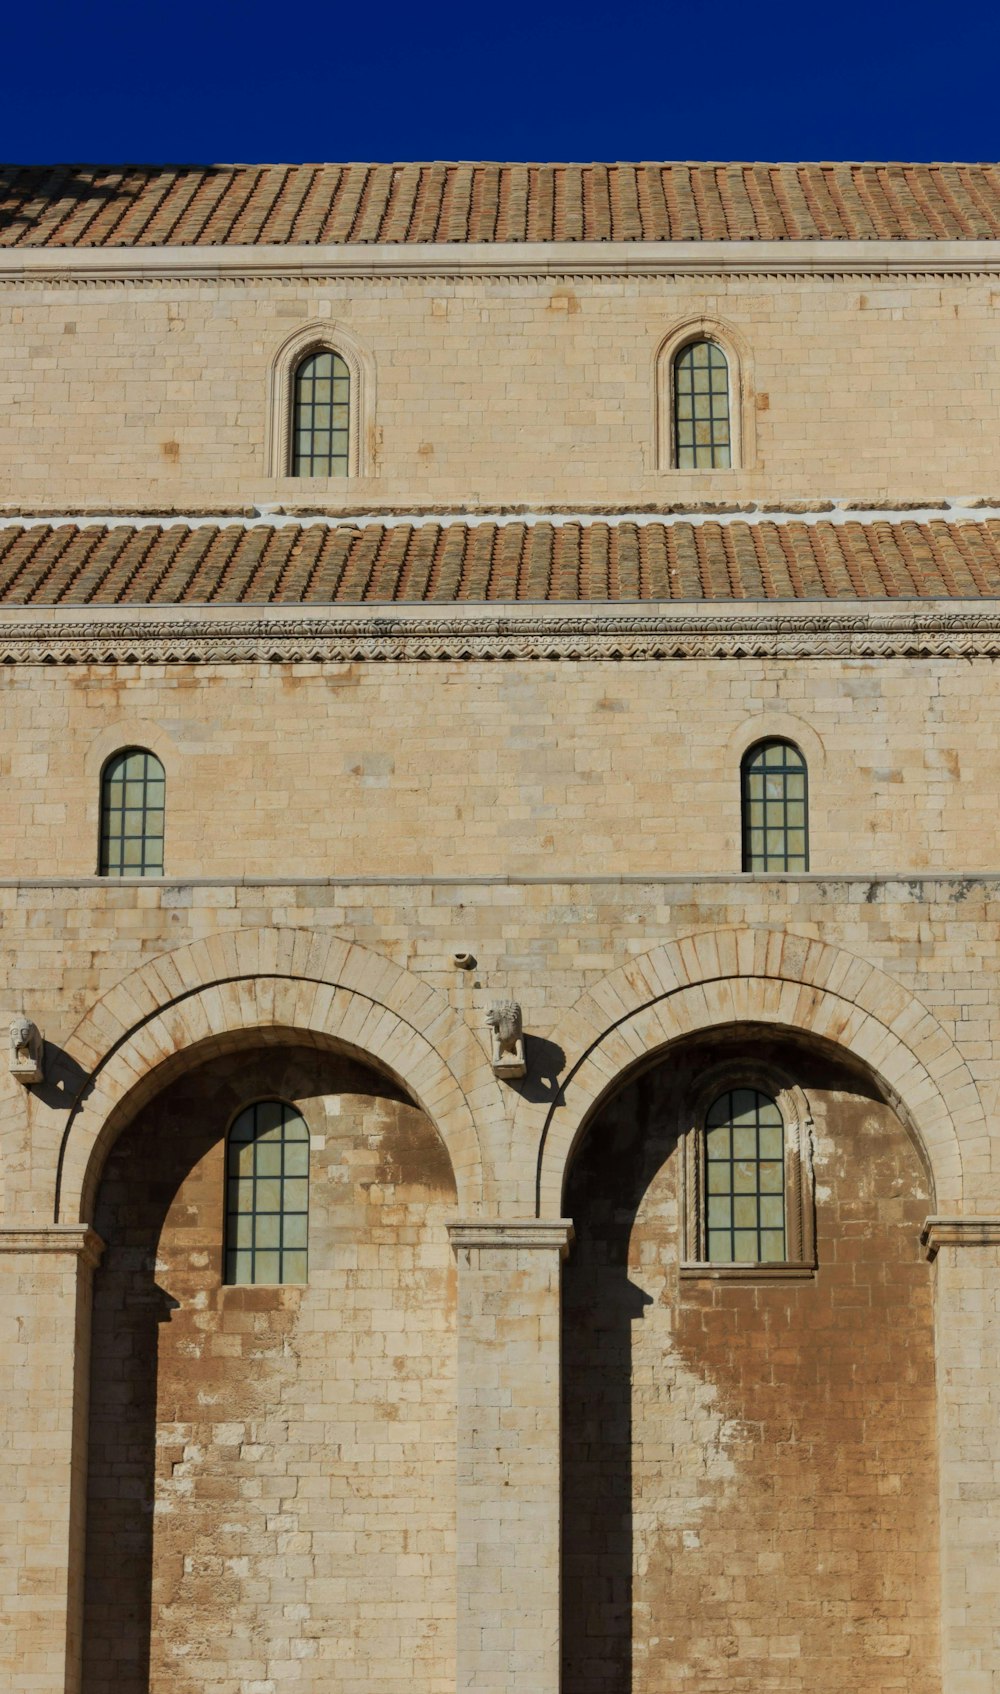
(224, 80)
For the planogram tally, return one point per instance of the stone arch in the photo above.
(268, 985)
(722, 977)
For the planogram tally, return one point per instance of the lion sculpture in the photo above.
(504, 1020)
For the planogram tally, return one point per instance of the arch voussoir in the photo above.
(217, 994)
(732, 976)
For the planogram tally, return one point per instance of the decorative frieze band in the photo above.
(959, 1232)
(68, 1238)
(550, 1234)
(593, 636)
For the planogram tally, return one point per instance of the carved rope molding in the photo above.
(594, 636)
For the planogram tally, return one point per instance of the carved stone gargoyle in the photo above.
(26, 1050)
(507, 1036)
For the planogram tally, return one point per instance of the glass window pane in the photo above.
(719, 1143)
(320, 388)
(268, 1232)
(296, 1230)
(268, 1158)
(296, 1194)
(131, 829)
(701, 407)
(775, 828)
(744, 1185)
(268, 1195)
(297, 1158)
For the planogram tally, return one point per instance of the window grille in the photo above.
(267, 1195)
(745, 1179)
(775, 819)
(702, 436)
(321, 409)
(132, 796)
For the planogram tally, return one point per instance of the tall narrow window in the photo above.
(744, 1179)
(132, 793)
(267, 1195)
(702, 435)
(775, 819)
(321, 416)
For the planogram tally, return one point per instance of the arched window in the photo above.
(775, 814)
(132, 795)
(267, 1195)
(744, 1168)
(321, 415)
(702, 429)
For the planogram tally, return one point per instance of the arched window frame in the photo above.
(322, 337)
(756, 746)
(103, 866)
(228, 1245)
(800, 1209)
(741, 402)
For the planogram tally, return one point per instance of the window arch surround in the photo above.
(132, 814)
(318, 338)
(742, 434)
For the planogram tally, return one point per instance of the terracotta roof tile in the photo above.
(221, 205)
(454, 562)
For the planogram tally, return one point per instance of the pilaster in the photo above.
(966, 1251)
(45, 1304)
(508, 1454)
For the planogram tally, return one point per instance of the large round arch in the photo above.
(719, 978)
(268, 986)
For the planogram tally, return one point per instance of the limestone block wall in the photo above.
(272, 1469)
(535, 389)
(750, 1467)
(915, 958)
(552, 947)
(465, 769)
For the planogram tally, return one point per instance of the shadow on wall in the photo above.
(205, 1398)
(749, 1468)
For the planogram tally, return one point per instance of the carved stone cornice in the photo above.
(550, 1234)
(655, 262)
(959, 1232)
(592, 635)
(66, 1238)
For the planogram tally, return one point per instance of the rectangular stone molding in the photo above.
(966, 1251)
(508, 1454)
(45, 1291)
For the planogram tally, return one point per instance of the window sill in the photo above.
(789, 1272)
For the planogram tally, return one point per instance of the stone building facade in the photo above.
(348, 1342)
